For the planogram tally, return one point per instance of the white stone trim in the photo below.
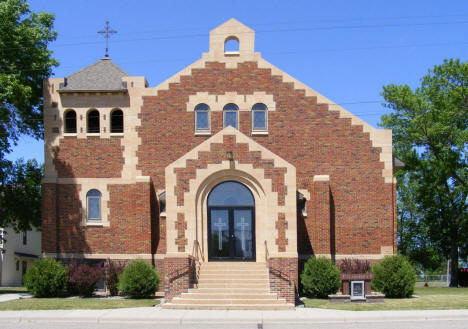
(102, 256)
(321, 178)
(102, 187)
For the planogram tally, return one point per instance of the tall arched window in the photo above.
(259, 117)
(231, 114)
(202, 118)
(93, 121)
(93, 200)
(117, 121)
(70, 122)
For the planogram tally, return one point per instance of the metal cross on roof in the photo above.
(107, 33)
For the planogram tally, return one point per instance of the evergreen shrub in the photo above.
(46, 278)
(394, 276)
(139, 280)
(320, 278)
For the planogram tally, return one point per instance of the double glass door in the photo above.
(231, 233)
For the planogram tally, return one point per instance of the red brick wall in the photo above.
(306, 134)
(284, 277)
(179, 276)
(130, 222)
(90, 157)
(49, 217)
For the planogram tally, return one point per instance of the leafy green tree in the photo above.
(431, 137)
(24, 62)
(20, 190)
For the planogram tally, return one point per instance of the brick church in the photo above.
(230, 172)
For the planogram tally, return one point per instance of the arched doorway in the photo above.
(231, 223)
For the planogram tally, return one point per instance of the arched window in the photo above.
(117, 121)
(70, 122)
(231, 46)
(259, 117)
(232, 194)
(93, 121)
(93, 200)
(230, 114)
(202, 118)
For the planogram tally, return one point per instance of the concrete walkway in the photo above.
(158, 315)
(10, 297)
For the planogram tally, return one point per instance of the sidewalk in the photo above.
(156, 314)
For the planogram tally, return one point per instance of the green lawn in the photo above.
(12, 290)
(74, 303)
(430, 298)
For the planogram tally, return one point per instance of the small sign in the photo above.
(357, 289)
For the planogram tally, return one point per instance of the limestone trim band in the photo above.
(102, 256)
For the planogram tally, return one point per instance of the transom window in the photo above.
(70, 122)
(259, 117)
(231, 115)
(230, 194)
(202, 118)
(93, 121)
(93, 200)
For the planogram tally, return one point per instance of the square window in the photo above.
(230, 119)
(94, 211)
(202, 121)
(259, 120)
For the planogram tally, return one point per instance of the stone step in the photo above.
(232, 266)
(203, 279)
(178, 300)
(232, 285)
(229, 306)
(234, 275)
(229, 290)
(194, 294)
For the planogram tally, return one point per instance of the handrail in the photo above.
(196, 253)
(277, 272)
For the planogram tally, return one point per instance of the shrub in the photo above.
(46, 278)
(354, 266)
(394, 276)
(139, 280)
(320, 277)
(113, 271)
(83, 278)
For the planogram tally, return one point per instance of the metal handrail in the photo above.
(277, 272)
(196, 252)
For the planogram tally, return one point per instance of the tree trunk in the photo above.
(454, 259)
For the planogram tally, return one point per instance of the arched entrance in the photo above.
(231, 222)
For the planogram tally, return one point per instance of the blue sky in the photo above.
(346, 50)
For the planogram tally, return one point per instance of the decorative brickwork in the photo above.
(217, 154)
(306, 134)
(281, 226)
(179, 275)
(284, 277)
(91, 157)
(181, 226)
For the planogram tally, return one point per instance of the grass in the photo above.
(12, 290)
(430, 298)
(74, 304)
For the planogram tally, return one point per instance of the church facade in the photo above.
(230, 159)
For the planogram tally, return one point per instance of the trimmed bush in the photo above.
(83, 278)
(394, 276)
(113, 271)
(46, 278)
(320, 278)
(139, 280)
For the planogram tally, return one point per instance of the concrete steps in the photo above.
(230, 286)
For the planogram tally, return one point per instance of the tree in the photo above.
(431, 137)
(20, 202)
(24, 62)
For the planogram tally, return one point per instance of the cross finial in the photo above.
(107, 33)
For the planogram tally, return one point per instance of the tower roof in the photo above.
(104, 75)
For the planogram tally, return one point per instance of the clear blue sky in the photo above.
(346, 50)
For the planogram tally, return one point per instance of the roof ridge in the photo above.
(96, 63)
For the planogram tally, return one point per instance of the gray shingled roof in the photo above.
(104, 75)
